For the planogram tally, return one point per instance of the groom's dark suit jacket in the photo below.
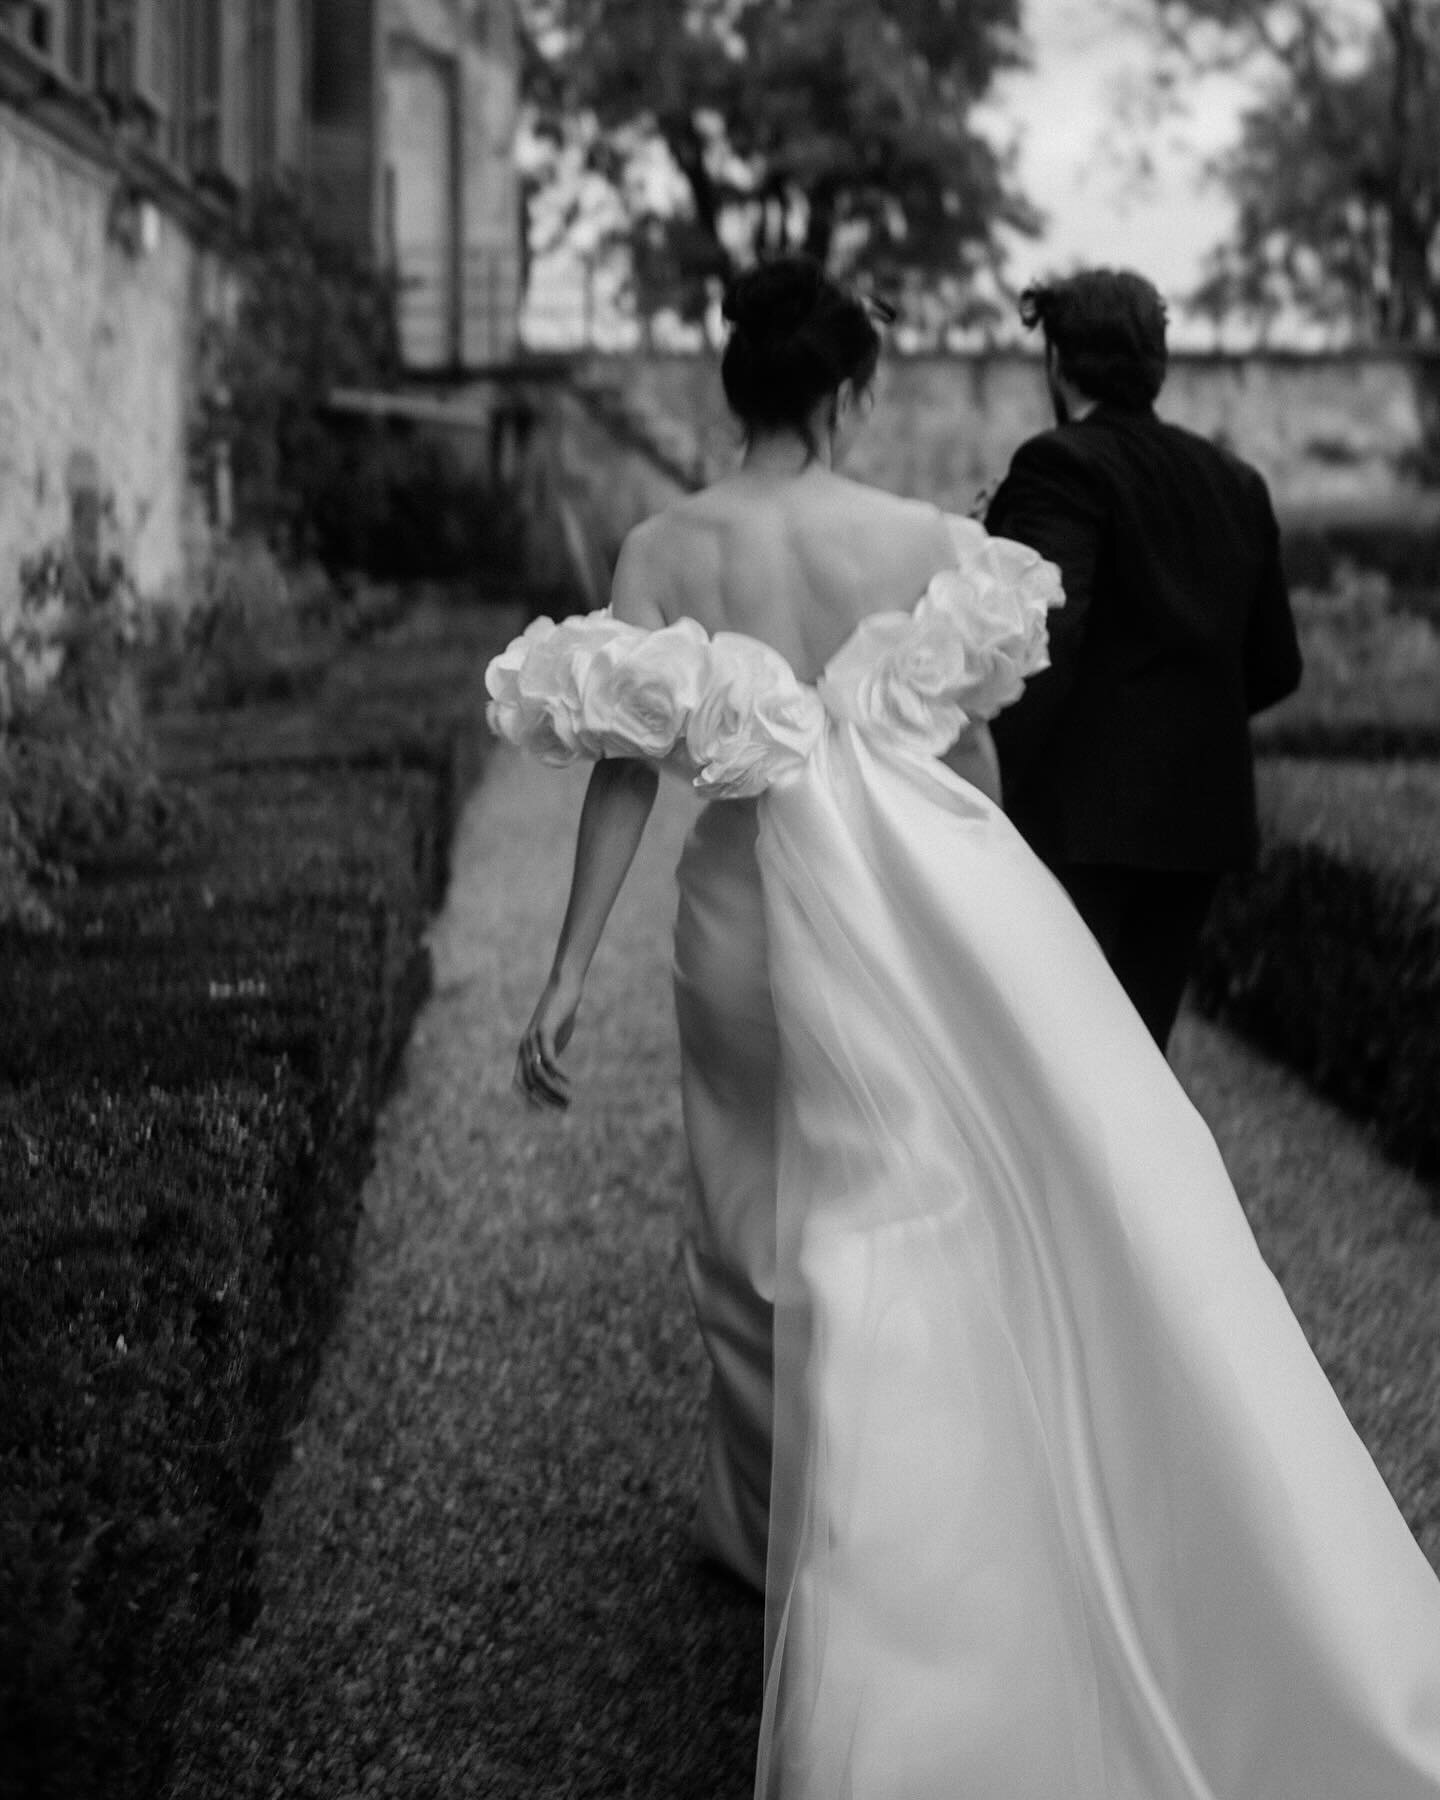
(1133, 748)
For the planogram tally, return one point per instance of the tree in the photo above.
(1335, 177)
(734, 128)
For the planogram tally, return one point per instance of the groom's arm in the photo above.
(1051, 501)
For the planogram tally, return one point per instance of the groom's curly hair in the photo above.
(1108, 330)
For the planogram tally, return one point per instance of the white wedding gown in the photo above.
(1062, 1506)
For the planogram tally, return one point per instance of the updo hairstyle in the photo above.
(796, 338)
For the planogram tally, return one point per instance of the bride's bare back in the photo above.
(796, 560)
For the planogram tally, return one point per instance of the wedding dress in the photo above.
(1061, 1506)
(729, 1058)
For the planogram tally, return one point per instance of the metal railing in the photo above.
(457, 312)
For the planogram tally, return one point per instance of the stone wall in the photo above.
(96, 360)
(1335, 434)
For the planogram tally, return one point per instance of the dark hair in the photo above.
(796, 337)
(1108, 330)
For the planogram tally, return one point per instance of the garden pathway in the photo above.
(476, 1574)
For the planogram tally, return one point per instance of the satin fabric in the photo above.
(1062, 1506)
(729, 1054)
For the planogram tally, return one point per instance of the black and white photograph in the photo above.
(720, 899)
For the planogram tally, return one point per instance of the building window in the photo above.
(216, 87)
(61, 32)
(77, 40)
(264, 133)
(32, 23)
(199, 147)
(154, 58)
(137, 61)
(215, 137)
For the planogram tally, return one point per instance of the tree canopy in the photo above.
(736, 128)
(1336, 177)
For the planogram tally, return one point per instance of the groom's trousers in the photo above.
(1148, 923)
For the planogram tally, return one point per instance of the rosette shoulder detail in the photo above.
(959, 656)
(729, 713)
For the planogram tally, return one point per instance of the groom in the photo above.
(1127, 764)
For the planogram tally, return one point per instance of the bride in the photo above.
(1047, 1496)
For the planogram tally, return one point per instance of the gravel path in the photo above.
(476, 1568)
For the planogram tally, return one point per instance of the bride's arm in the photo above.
(612, 822)
(972, 757)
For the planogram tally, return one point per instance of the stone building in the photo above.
(131, 132)
(411, 156)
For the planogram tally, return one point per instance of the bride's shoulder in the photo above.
(905, 540)
(672, 534)
(897, 513)
(902, 508)
(655, 557)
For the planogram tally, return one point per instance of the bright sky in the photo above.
(1079, 121)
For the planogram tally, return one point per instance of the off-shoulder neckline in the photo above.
(961, 527)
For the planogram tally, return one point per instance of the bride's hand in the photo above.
(538, 1074)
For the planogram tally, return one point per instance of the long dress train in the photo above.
(1062, 1503)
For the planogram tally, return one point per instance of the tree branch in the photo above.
(687, 146)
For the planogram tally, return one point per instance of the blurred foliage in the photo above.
(78, 780)
(404, 503)
(1356, 637)
(258, 630)
(311, 315)
(837, 127)
(1335, 178)
(1371, 682)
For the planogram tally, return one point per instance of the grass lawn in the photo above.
(1372, 667)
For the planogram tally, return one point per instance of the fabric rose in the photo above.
(507, 715)
(967, 535)
(894, 676)
(755, 723)
(995, 604)
(1018, 566)
(535, 684)
(638, 693)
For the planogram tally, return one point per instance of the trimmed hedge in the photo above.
(141, 1402)
(196, 746)
(412, 699)
(1328, 956)
(189, 1074)
(369, 842)
(1371, 683)
(1339, 738)
(1405, 549)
